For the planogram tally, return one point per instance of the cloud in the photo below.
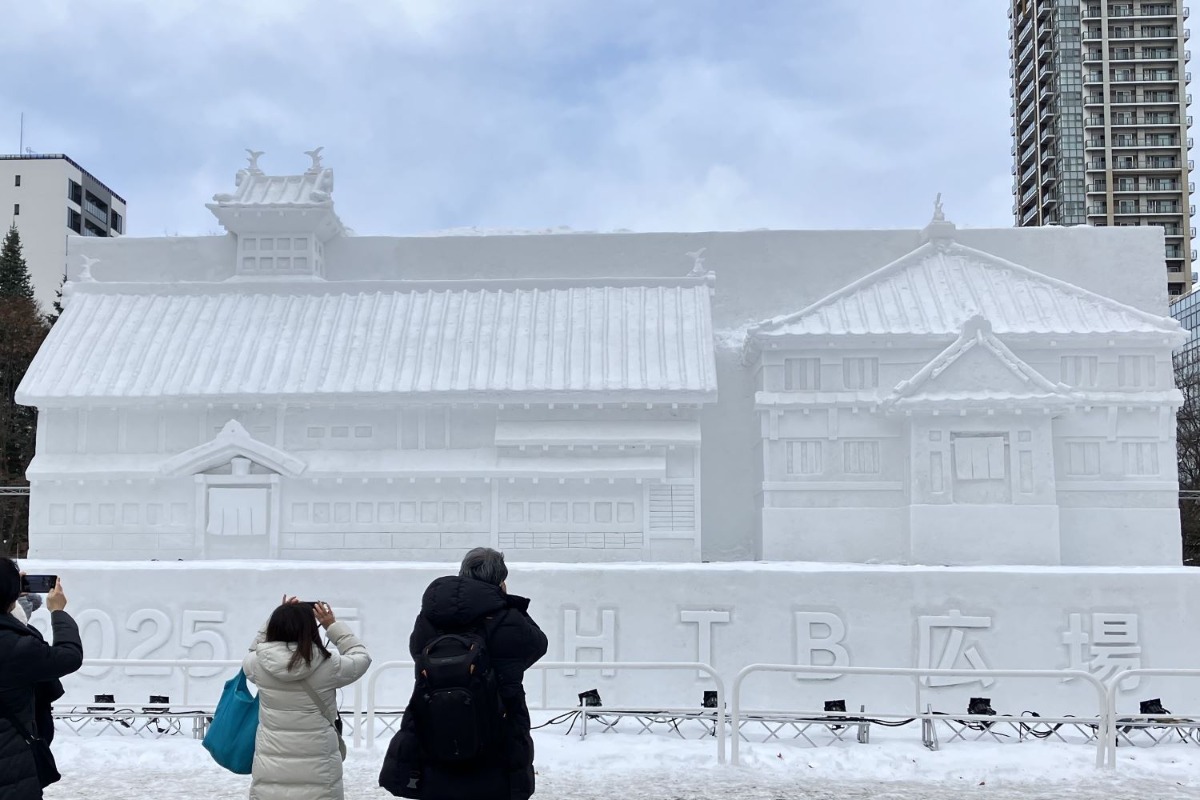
(648, 115)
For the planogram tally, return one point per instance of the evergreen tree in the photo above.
(14, 273)
(56, 307)
(22, 329)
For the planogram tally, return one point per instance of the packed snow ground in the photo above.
(619, 766)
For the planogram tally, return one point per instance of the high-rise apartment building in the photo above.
(50, 197)
(1100, 122)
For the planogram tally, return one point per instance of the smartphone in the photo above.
(38, 584)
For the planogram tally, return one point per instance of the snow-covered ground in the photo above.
(619, 766)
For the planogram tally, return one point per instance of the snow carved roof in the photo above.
(232, 442)
(486, 341)
(936, 288)
(977, 367)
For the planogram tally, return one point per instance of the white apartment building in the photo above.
(51, 197)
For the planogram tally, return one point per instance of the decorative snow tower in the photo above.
(282, 222)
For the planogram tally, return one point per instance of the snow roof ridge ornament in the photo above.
(293, 204)
(939, 231)
(233, 441)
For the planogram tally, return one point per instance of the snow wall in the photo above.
(729, 615)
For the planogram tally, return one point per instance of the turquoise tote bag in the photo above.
(230, 737)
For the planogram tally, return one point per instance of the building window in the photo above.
(1080, 371)
(117, 223)
(16, 209)
(979, 458)
(74, 192)
(1135, 372)
(802, 374)
(424, 429)
(17, 180)
(1083, 459)
(861, 458)
(74, 221)
(860, 373)
(1140, 458)
(804, 457)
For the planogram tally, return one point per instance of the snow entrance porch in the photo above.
(292, 391)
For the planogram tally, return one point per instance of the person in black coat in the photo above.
(477, 598)
(29, 681)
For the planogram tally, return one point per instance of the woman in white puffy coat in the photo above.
(297, 753)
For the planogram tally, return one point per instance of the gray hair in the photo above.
(484, 564)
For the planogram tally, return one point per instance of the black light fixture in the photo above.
(161, 704)
(981, 706)
(590, 698)
(710, 699)
(1154, 706)
(835, 705)
(109, 701)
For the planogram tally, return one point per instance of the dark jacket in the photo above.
(29, 673)
(515, 643)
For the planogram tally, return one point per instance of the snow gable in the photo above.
(977, 367)
(936, 288)
(234, 441)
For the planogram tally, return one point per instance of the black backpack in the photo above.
(458, 708)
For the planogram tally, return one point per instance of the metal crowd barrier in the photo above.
(546, 666)
(1107, 729)
(927, 716)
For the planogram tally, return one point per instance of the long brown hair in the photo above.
(294, 623)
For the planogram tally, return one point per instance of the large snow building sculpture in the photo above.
(292, 391)
(283, 413)
(957, 408)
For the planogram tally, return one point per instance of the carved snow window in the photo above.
(804, 457)
(672, 507)
(860, 373)
(861, 458)
(1140, 458)
(802, 374)
(1135, 372)
(979, 458)
(424, 429)
(1083, 459)
(1080, 371)
(237, 512)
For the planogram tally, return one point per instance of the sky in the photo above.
(644, 115)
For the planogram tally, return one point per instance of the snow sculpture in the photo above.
(284, 414)
(281, 394)
(955, 408)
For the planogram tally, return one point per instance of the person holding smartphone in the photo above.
(298, 751)
(30, 671)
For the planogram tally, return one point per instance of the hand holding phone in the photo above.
(56, 600)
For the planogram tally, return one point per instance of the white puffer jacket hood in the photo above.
(274, 658)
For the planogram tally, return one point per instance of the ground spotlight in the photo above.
(590, 698)
(710, 699)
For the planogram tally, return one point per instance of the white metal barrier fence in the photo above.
(547, 666)
(1114, 686)
(1102, 718)
(1107, 721)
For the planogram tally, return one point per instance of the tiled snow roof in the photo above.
(936, 288)
(257, 189)
(640, 343)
